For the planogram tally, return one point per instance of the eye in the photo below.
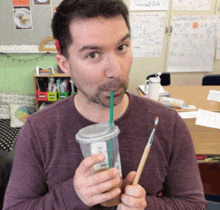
(93, 55)
(123, 47)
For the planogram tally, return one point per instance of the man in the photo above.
(49, 172)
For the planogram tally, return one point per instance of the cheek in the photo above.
(128, 64)
(85, 76)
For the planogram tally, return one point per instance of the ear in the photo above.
(63, 64)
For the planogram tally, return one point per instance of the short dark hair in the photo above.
(70, 9)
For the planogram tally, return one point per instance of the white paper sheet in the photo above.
(214, 95)
(147, 33)
(208, 119)
(192, 47)
(191, 4)
(149, 4)
(188, 115)
(218, 37)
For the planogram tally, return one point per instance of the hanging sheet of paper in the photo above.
(218, 37)
(149, 4)
(147, 33)
(208, 119)
(192, 46)
(191, 5)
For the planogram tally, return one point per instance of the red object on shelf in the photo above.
(201, 157)
(41, 96)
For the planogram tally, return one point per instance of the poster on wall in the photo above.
(191, 5)
(149, 4)
(192, 46)
(42, 2)
(22, 18)
(147, 33)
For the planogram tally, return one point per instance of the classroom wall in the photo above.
(142, 67)
(17, 77)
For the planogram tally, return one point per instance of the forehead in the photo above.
(98, 30)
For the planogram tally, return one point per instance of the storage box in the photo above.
(63, 95)
(41, 96)
(52, 96)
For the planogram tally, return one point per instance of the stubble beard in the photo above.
(118, 85)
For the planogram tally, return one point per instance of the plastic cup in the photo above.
(102, 138)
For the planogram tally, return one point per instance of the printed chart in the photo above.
(147, 33)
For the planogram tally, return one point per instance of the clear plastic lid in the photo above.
(97, 132)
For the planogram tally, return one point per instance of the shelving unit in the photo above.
(40, 101)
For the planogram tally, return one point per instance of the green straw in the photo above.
(111, 128)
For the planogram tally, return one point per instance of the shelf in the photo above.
(24, 49)
(39, 102)
(210, 161)
(52, 75)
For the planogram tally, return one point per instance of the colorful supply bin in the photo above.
(63, 95)
(52, 96)
(41, 96)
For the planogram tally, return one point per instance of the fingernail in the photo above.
(118, 207)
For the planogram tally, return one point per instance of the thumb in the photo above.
(129, 178)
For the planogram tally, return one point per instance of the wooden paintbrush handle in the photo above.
(141, 165)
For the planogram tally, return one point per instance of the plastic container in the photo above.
(63, 95)
(41, 96)
(154, 88)
(100, 138)
(52, 96)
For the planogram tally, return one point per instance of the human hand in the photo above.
(91, 186)
(134, 197)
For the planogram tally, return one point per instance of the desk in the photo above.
(206, 140)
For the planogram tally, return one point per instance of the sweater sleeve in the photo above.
(182, 187)
(27, 188)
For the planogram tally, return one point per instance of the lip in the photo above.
(116, 94)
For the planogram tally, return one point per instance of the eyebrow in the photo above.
(94, 47)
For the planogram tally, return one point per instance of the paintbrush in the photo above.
(145, 153)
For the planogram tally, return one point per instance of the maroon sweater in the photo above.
(47, 155)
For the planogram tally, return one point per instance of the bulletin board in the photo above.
(26, 22)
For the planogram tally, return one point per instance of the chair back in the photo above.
(211, 79)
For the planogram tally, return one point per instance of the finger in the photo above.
(122, 206)
(130, 177)
(103, 176)
(135, 191)
(104, 187)
(101, 198)
(128, 180)
(133, 202)
(90, 161)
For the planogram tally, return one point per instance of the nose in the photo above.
(113, 68)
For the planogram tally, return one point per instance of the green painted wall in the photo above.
(17, 77)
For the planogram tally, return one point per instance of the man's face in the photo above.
(100, 58)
